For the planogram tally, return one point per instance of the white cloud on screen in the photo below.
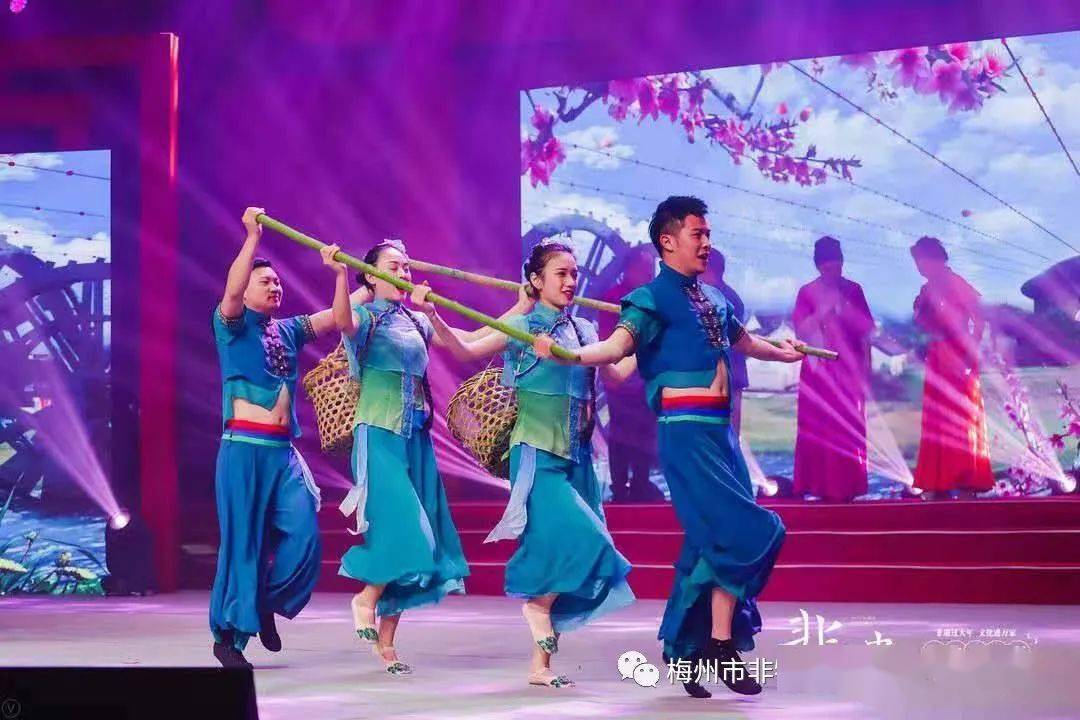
(36, 234)
(26, 174)
(597, 137)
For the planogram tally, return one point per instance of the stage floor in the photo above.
(470, 659)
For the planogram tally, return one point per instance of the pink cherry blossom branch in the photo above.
(681, 98)
(960, 77)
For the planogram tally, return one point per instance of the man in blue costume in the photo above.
(268, 557)
(683, 332)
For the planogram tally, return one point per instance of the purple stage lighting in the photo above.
(120, 520)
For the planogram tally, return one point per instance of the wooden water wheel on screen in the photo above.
(600, 251)
(55, 332)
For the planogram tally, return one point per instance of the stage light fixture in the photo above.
(129, 556)
(781, 486)
(120, 519)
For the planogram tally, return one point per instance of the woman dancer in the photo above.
(411, 555)
(954, 455)
(566, 566)
(830, 448)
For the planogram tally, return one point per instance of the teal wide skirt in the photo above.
(411, 544)
(565, 547)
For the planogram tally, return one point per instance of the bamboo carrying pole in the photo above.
(397, 282)
(487, 281)
(478, 279)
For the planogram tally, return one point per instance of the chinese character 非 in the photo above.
(762, 669)
(821, 630)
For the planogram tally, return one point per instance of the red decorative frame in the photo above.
(154, 61)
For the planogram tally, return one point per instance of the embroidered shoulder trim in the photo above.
(307, 327)
(738, 335)
(228, 322)
(628, 327)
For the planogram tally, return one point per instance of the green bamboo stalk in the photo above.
(520, 335)
(807, 349)
(478, 279)
(488, 281)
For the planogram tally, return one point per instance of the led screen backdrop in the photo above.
(55, 391)
(874, 151)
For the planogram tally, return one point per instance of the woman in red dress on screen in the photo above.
(830, 449)
(953, 451)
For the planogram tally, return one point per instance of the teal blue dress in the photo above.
(555, 510)
(410, 543)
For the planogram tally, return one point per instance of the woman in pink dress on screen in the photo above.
(830, 449)
(953, 451)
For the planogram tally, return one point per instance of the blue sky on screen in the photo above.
(25, 186)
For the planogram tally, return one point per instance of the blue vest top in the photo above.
(258, 355)
(395, 359)
(524, 370)
(396, 346)
(555, 401)
(679, 339)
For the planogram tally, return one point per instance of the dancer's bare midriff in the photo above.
(278, 415)
(718, 388)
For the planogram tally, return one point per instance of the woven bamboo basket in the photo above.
(481, 415)
(335, 394)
